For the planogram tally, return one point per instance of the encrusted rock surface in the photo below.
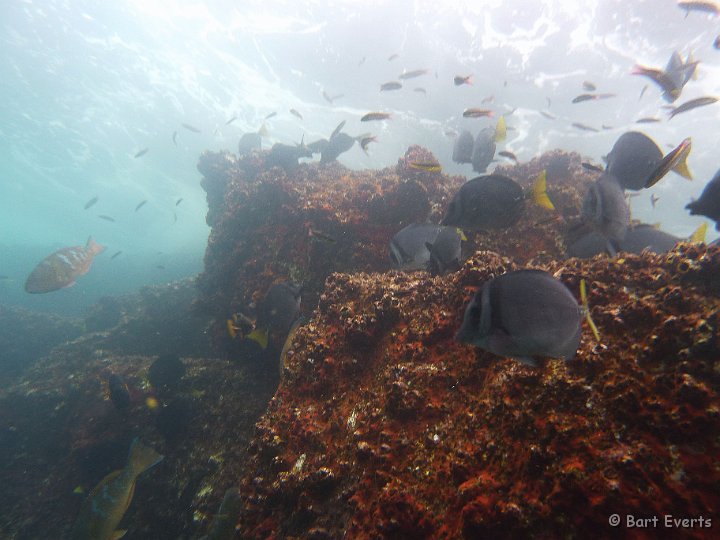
(384, 427)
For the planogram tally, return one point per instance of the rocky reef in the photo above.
(378, 424)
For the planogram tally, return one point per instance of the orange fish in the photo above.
(62, 268)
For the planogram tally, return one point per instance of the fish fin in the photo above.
(232, 330)
(500, 129)
(611, 248)
(539, 191)
(72, 283)
(93, 247)
(142, 457)
(461, 234)
(260, 336)
(527, 360)
(263, 131)
(698, 236)
(586, 310)
(118, 534)
(683, 170)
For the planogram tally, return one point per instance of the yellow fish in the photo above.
(500, 130)
(103, 509)
(539, 191)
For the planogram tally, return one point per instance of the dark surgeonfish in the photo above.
(483, 149)
(276, 313)
(425, 246)
(287, 156)
(584, 242)
(606, 211)
(708, 204)
(62, 268)
(486, 202)
(673, 78)
(643, 236)
(463, 148)
(103, 509)
(338, 144)
(632, 160)
(251, 141)
(524, 314)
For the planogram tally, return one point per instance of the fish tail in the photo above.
(232, 330)
(698, 237)
(586, 311)
(142, 457)
(260, 336)
(539, 191)
(93, 247)
(682, 168)
(263, 131)
(500, 130)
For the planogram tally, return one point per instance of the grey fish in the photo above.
(459, 80)
(648, 120)
(392, 85)
(412, 74)
(141, 153)
(486, 202)
(633, 158)
(116, 254)
(692, 104)
(708, 204)
(178, 201)
(584, 242)
(340, 143)
(420, 90)
(175, 138)
(286, 156)
(107, 218)
(140, 205)
(424, 247)
(548, 115)
(509, 155)
(483, 149)
(463, 148)
(296, 113)
(190, 127)
(646, 237)
(231, 120)
(269, 116)
(605, 210)
(590, 87)
(592, 167)
(588, 97)
(584, 127)
(276, 313)
(523, 314)
(91, 202)
(223, 525)
(249, 142)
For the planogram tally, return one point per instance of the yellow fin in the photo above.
(539, 191)
(78, 490)
(260, 336)
(118, 534)
(500, 130)
(698, 237)
(231, 328)
(461, 233)
(586, 309)
(681, 167)
(263, 132)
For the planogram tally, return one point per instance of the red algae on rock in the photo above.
(426, 438)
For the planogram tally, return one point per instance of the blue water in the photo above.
(86, 85)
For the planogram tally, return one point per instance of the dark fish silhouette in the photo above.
(295, 113)
(231, 120)
(179, 201)
(392, 85)
(509, 155)
(175, 138)
(107, 218)
(269, 116)
(463, 148)
(584, 127)
(459, 80)
(91, 202)
(412, 74)
(647, 120)
(140, 205)
(141, 153)
(476, 113)
(190, 127)
(587, 85)
(375, 116)
(708, 204)
(116, 254)
(692, 104)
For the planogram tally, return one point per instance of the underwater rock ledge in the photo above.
(384, 427)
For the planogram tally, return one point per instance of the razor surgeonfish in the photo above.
(583, 242)
(276, 313)
(632, 160)
(708, 204)
(606, 211)
(523, 314)
(642, 237)
(409, 249)
(62, 268)
(103, 509)
(486, 202)
(483, 149)
(463, 148)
